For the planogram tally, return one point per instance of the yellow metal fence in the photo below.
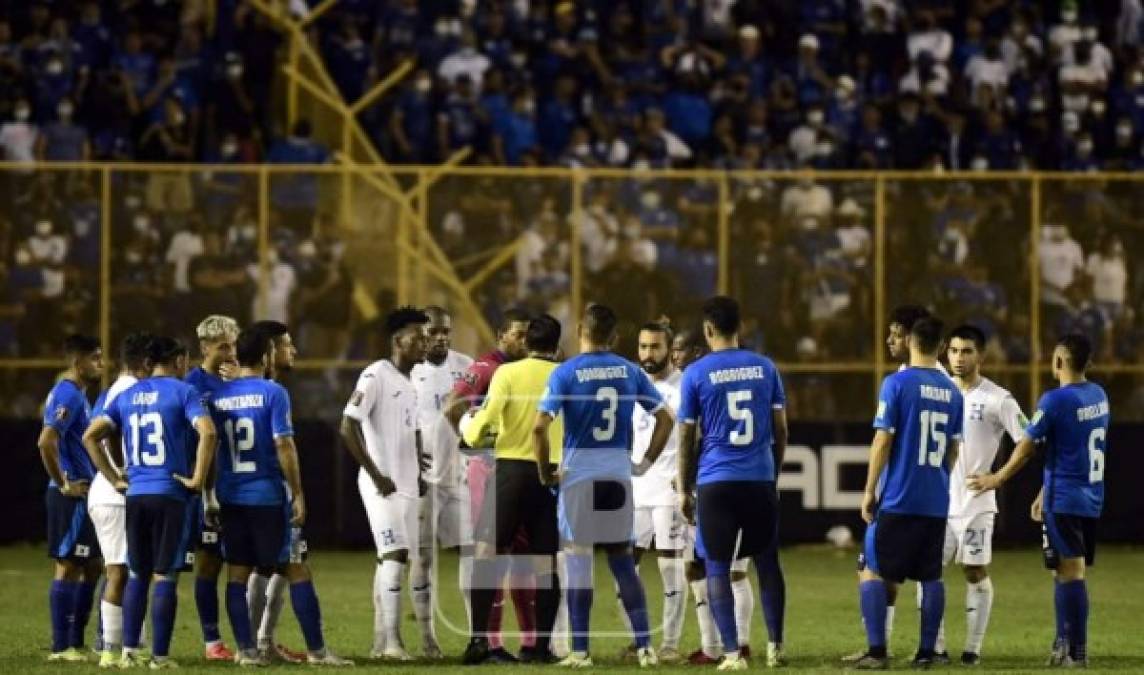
(818, 261)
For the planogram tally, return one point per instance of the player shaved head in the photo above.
(925, 336)
(966, 350)
(405, 327)
(598, 327)
(217, 334)
(543, 335)
(284, 350)
(687, 346)
(654, 349)
(1072, 355)
(85, 357)
(439, 332)
(902, 319)
(512, 333)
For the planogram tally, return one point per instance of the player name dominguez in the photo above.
(936, 393)
(604, 373)
(1091, 412)
(238, 402)
(736, 374)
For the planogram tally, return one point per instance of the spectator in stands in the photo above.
(281, 282)
(218, 282)
(295, 195)
(231, 108)
(18, 135)
(136, 66)
(63, 140)
(325, 297)
(1107, 266)
(806, 198)
(411, 124)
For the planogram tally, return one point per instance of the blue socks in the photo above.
(1072, 602)
(872, 598)
(579, 568)
(84, 598)
(206, 601)
(164, 604)
(632, 596)
(134, 609)
(238, 611)
(721, 600)
(933, 608)
(309, 613)
(773, 586)
(1062, 620)
(61, 603)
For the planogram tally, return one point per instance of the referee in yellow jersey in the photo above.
(518, 500)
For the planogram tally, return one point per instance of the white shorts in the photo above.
(445, 516)
(392, 519)
(662, 525)
(969, 541)
(110, 523)
(737, 565)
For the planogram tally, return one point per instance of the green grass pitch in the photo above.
(822, 613)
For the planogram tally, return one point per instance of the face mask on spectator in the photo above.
(64, 111)
(1124, 130)
(247, 233)
(132, 202)
(23, 257)
(1138, 78)
(229, 149)
(1068, 16)
(979, 164)
(234, 71)
(55, 67)
(22, 114)
(1036, 105)
(1098, 108)
(650, 200)
(1084, 147)
(424, 85)
(43, 228)
(1070, 122)
(519, 60)
(142, 224)
(307, 249)
(815, 117)
(134, 257)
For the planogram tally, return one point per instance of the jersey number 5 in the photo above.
(933, 426)
(240, 439)
(1096, 455)
(157, 453)
(737, 402)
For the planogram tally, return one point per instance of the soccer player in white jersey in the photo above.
(379, 426)
(990, 413)
(658, 520)
(108, 508)
(445, 516)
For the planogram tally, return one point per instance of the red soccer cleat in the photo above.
(217, 651)
(700, 658)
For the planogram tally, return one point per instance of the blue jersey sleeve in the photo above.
(63, 409)
(1038, 429)
(647, 395)
(112, 413)
(778, 393)
(193, 407)
(957, 419)
(688, 398)
(280, 413)
(100, 404)
(886, 418)
(552, 400)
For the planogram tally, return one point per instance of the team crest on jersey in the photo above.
(357, 397)
(977, 411)
(1037, 417)
(61, 413)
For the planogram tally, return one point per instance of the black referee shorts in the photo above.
(736, 512)
(900, 546)
(518, 502)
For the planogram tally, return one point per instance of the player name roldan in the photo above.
(736, 374)
(238, 402)
(603, 373)
(936, 393)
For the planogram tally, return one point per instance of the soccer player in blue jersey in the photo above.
(734, 398)
(262, 506)
(1072, 423)
(71, 537)
(596, 393)
(906, 503)
(156, 417)
(216, 335)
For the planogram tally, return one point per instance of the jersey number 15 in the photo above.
(933, 427)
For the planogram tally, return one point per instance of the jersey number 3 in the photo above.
(933, 427)
(611, 399)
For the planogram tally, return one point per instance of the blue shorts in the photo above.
(735, 519)
(1068, 536)
(900, 546)
(71, 536)
(157, 532)
(256, 536)
(596, 511)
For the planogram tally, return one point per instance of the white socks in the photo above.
(112, 621)
(391, 574)
(889, 624)
(378, 618)
(708, 636)
(744, 608)
(464, 580)
(256, 598)
(561, 633)
(978, 604)
(275, 599)
(674, 599)
(421, 591)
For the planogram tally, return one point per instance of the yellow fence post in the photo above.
(723, 281)
(105, 266)
(292, 86)
(1034, 291)
(879, 281)
(263, 241)
(422, 236)
(577, 271)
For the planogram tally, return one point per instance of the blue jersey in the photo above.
(1073, 421)
(68, 412)
(597, 392)
(922, 408)
(732, 395)
(156, 418)
(250, 413)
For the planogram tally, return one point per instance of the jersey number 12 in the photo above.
(240, 439)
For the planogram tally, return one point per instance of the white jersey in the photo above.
(434, 383)
(385, 402)
(654, 488)
(990, 412)
(102, 493)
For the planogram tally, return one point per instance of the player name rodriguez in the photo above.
(1091, 412)
(936, 393)
(239, 402)
(736, 374)
(606, 373)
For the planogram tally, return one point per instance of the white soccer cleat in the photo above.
(131, 660)
(576, 660)
(69, 655)
(646, 657)
(732, 662)
(396, 653)
(251, 658)
(327, 658)
(163, 663)
(108, 659)
(776, 657)
(669, 655)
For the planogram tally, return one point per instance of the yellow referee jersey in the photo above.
(509, 411)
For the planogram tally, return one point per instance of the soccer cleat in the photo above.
(501, 655)
(576, 660)
(396, 653)
(776, 658)
(923, 662)
(131, 659)
(858, 656)
(432, 650)
(745, 651)
(646, 657)
(69, 655)
(627, 653)
(970, 659)
(669, 655)
(941, 658)
(536, 656)
(108, 659)
(327, 658)
(1059, 655)
(700, 658)
(218, 651)
(732, 662)
(476, 653)
(163, 663)
(870, 662)
(283, 654)
(251, 658)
